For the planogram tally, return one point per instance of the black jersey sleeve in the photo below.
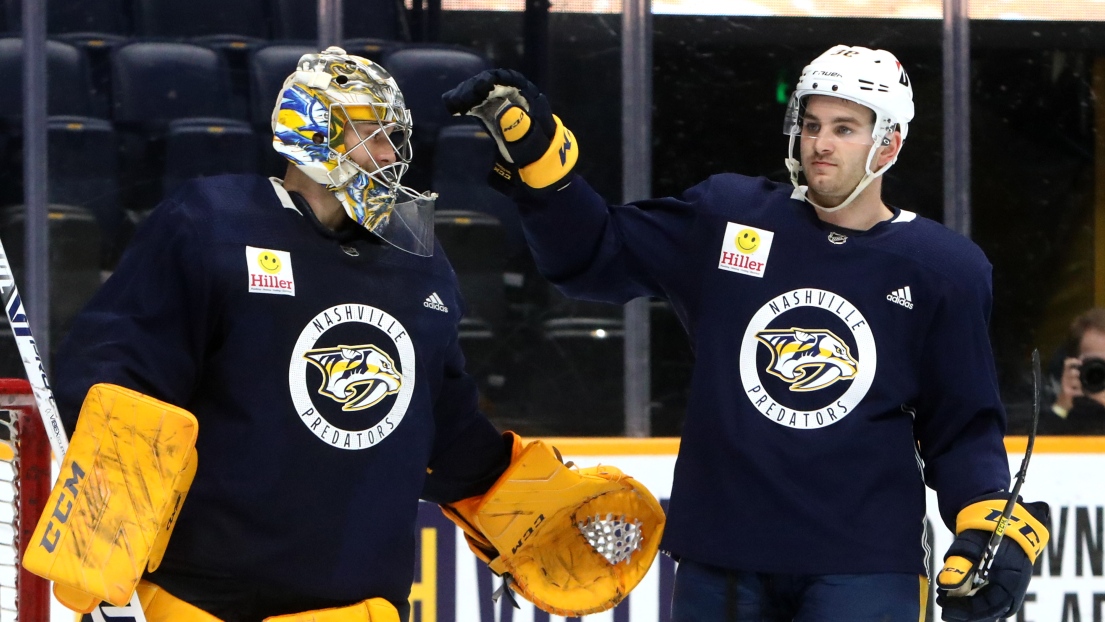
(468, 453)
(611, 253)
(961, 422)
(147, 326)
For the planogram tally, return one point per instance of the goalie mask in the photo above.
(335, 104)
(871, 78)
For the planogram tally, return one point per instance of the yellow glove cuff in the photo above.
(1022, 527)
(557, 162)
(464, 512)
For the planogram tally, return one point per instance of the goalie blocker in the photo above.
(571, 541)
(111, 512)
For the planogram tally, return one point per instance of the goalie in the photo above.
(263, 349)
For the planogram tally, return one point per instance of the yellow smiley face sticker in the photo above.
(747, 241)
(269, 262)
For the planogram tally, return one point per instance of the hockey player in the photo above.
(290, 317)
(842, 357)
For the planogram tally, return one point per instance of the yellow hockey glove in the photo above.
(531, 139)
(1025, 537)
(571, 541)
(123, 480)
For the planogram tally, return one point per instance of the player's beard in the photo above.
(830, 186)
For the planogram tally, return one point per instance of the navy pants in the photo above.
(709, 594)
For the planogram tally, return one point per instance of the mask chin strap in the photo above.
(795, 167)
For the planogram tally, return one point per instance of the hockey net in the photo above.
(25, 477)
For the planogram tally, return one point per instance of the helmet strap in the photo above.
(795, 166)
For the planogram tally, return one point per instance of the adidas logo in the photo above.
(433, 301)
(901, 296)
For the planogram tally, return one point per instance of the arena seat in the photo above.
(462, 159)
(246, 19)
(154, 84)
(199, 147)
(68, 85)
(378, 19)
(83, 171)
(423, 72)
(108, 17)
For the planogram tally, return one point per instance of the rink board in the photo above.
(1069, 473)
(451, 585)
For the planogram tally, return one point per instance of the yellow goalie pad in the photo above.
(109, 516)
(161, 606)
(571, 541)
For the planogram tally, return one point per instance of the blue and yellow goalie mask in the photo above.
(338, 109)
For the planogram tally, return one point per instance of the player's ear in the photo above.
(889, 148)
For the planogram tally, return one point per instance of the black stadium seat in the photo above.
(95, 27)
(83, 171)
(74, 259)
(201, 147)
(69, 87)
(378, 19)
(153, 85)
(374, 50)
(476, 248)
(423, 73)
(109, 17)
(68, 94)
(247, 19)
(462, 159)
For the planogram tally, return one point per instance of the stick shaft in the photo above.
(987, 560)
(32, 362)
(44, 395)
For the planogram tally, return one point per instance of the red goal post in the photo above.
(25, 479)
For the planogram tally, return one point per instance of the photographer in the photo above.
(1079, 407)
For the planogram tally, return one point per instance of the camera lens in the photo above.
(1092, 375)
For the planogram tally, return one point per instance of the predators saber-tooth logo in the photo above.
(356, 376)
(808, 359)
(377, 378)
(825, 344)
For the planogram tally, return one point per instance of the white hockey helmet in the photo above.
(871, 78)
(318, 106)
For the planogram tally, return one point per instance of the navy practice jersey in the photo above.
(829, 366)
(325, 374)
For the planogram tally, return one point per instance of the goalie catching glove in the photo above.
(109, 517)
(571, 541)
(532, 141)
(1001, 596)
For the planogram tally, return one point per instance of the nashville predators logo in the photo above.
(819, 347)
(373, 382)
(808, 359)
(356, 376)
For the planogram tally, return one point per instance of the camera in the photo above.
(1092, 375)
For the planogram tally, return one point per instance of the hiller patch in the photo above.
(270, 272)
(745, 249)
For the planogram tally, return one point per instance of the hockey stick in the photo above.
(987, 561)
(47, 407)
(32, 362)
